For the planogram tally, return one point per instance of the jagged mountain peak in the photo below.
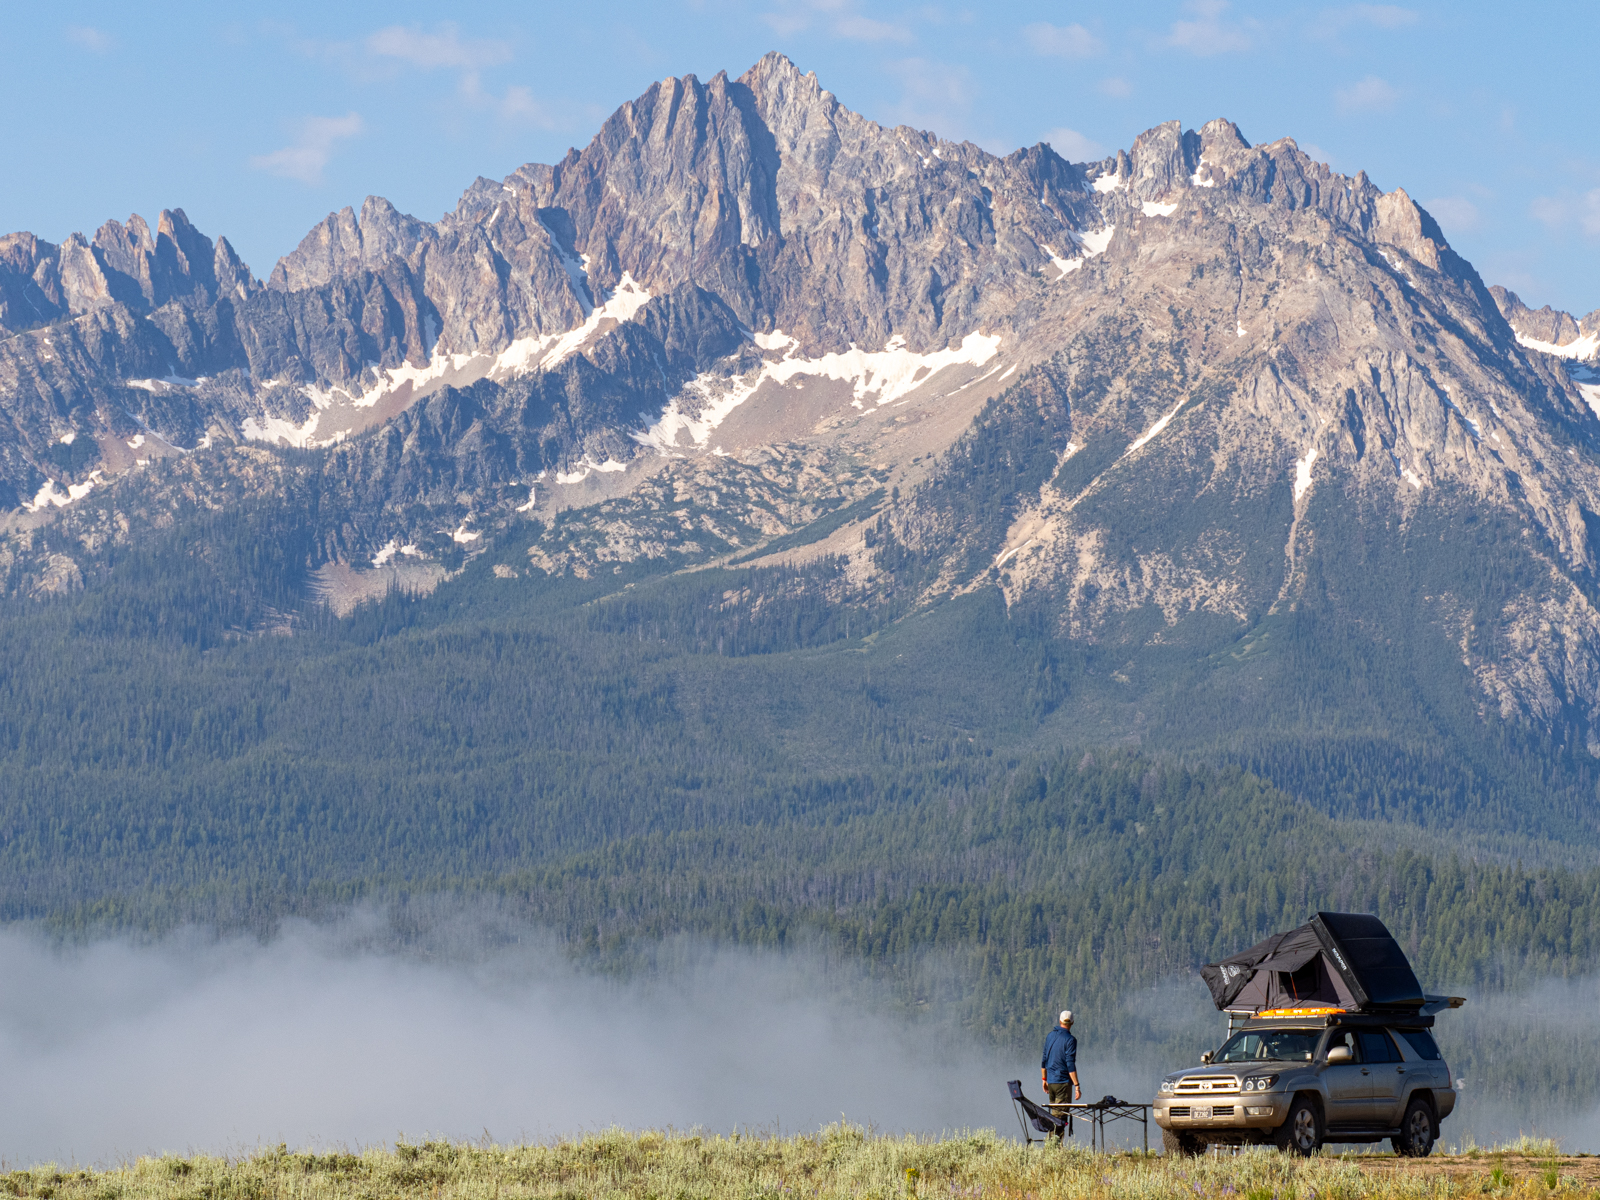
(345, 244)
(742, 272)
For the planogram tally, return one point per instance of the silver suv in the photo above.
(1354, 1079)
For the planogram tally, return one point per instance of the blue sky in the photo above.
(259, 125)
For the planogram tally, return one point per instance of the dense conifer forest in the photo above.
(627, 759)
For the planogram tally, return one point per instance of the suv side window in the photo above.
(1343, 1037)
(1377, 1048)
(1422, 1042)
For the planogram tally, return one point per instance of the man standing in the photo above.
(1058, 1069)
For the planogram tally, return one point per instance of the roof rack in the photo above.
(1394, 1018)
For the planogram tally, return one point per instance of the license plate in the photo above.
(1202, 1112)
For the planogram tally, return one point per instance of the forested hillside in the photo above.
(926, 789)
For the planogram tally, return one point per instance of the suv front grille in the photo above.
(1191, 1085)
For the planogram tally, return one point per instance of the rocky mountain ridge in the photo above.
(1191, 383)
(1549, 329)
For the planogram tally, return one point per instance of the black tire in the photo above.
(1180, 1145)
(1301, 1131)
(1416, 1131)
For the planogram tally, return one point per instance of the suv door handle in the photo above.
(1400, 1070)
(1364, 1071)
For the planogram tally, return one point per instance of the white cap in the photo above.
(1066, 1015)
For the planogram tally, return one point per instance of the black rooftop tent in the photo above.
(1335, 960)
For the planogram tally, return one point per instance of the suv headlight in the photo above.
(1167, 1085)
(1260, 1083)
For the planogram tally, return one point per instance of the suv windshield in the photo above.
(1271, 1045)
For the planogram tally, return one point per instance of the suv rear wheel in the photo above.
(1180, 1145)
(1301, 1131)
(1416, 1131)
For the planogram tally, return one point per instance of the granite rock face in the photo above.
(743, 307)
(1550, 329)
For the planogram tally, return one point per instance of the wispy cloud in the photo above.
(443, 48)
(934, 95)
(1062, 41)
(519, 106)
(1456, 214)
(1074, 146)
(1568, 209)
(87, 37)
(786, 24)
(396, 50)
(1332, 21)
(839, 18)
(866, 29)
(1370, 95)
(306, 157)
(1208, 33)
(1115, 86)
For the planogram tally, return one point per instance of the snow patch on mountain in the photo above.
(1152, 209)
(394, 378)
(522, 357)
(583, 469)
(1095, 242)
(1065, 264)
(711, 398)
(576, 269)
(884, 376)
(1090, 243)
(164, 384)
(547, 350)
(776, 340)
(1579, 348)
(391, 548)
(267, 428)
(1450, 403)
(1153, 430)
(1302, 472)
(48, 497)
(1591, 396)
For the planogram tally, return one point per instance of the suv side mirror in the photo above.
(1339, 1054)
(1208, 1056)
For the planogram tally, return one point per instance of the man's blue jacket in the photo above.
(1060, 1055)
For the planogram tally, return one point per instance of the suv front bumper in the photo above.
(1238, 1110)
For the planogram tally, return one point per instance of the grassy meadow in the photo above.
(839, 1161)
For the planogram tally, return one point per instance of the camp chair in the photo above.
(1045, 1121)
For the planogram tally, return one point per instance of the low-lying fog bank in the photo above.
(358, 1032)
(334, 1034)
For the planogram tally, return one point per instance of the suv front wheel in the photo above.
(1301, 1132)
(1416, 1131)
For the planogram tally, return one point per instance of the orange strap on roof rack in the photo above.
(1299, 1012)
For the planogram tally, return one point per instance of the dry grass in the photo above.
(840, 1161)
